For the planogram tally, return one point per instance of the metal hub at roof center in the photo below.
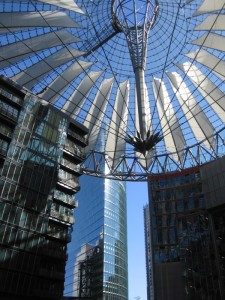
(135, 19)
(133, 14)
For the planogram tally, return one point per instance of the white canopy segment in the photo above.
(40, 69)
(62, 81)
(210, 61)
(115, 145)
(76, 101)
(13, 53)
(36, 19)
(198, 121)
(209, 6)
(173, 136)
(211, 40)
(209, 91)
(67, 4)
(213, 22)
(96, 113)
(147, 78)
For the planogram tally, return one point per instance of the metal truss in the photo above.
(131, 168)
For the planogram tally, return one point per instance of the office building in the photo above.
(41, 150)
(97, 261)
(148, 253)
(187, 225)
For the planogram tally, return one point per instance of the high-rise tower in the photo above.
(97, 261)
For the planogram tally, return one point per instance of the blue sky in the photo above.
(137, 197)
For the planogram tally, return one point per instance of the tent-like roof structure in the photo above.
(145, 77)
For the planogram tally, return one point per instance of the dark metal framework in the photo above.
(134, 170)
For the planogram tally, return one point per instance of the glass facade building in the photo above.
(97, 261)
(187, 225)
(41, 150)
(148, 252)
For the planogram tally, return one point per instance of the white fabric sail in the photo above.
(36, 19)
(210, 61)
(115, 144)
(173, 136)
(211, 40)
(58, 86)
(66, 4)
(212, 22)
(198, 121)
(39, 70)
(96, 112)
(74, 104)
(211, 93)
(209, 6)
(15, 52)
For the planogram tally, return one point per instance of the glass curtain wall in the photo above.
(183, 254)
(97, 261)
(28, 179)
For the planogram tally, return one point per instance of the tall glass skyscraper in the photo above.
(97, 262)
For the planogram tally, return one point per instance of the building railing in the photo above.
(3, 147)
(62, 217)
(68, 219)
(59, 235)
(10, 96)
(8, 111)
(72, 148)
(54, 214)
(68, 179)
(70, 165)
(77, 136)
(69, 199)
(6, 131)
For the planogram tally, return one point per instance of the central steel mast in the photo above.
(135, 19)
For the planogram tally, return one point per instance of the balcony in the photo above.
(11, 97)
(75, 203)
(73, 150)
(3, 147)
(68, 180)
(68, 219)
(6, 131)
(69, 183)
(62, 217)
(67, 188)
(70, 165)
(65, 198)
(9, 114)
(59, 235)
(77, 137)
(55, 214)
